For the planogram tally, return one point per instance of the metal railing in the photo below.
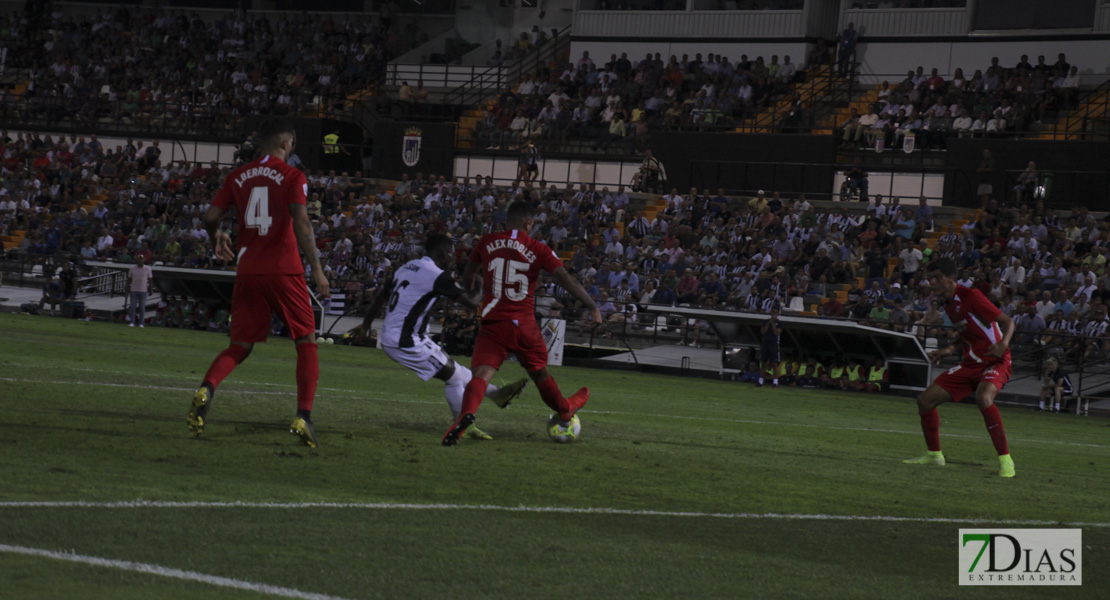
(27, 269)
(504, 170)
(1057, 189)
(492, 80)
(1081, 115)
(821, 88)
(1077, 351)
(110, 282)
(1089, 120)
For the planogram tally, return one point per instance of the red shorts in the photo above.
(496, 339)
(257, 296)
(962, 380)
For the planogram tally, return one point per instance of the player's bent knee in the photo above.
(447, 372)
(484, 372)
(540, 375)
(248, 347)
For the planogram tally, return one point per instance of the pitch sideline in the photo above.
(161, 571)
(536, 509)
(600, 412)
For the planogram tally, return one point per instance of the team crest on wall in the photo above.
(410, 146)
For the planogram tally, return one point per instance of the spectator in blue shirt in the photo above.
(712, 286)
(905, 225)
(664, 295)
(923, 214)
(970, 256)
(719, 203)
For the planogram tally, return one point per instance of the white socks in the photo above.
(456, 385)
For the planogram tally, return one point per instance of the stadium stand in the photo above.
(70, 197)
(141, 67)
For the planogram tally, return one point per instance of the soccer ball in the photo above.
(560, 435)
(329, 341)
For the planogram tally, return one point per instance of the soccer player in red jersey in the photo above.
(984, 370)
(269, 198)
(511, 262)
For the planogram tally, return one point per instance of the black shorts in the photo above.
(533, 168)
(769, 354)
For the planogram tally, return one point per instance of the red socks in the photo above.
(224, 364)
(994, 427)
(930, 425)
(308, 372)
(472, 396)
(552, 397)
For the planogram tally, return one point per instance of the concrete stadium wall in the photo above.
(560, 172)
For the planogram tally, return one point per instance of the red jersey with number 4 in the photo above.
(972, 309)
(261, 192)
(511, 264)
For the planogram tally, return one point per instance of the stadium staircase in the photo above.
(861, 102)
(819, 92)
(482, 90)
(1091, 118)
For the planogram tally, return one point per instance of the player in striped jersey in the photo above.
(408, 297)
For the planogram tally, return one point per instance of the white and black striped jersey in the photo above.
(415, 288)
(1095, 328)
(1063, 325)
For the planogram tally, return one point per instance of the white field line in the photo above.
(128, 504)
(161, 571)
(166, 388)
(361, 395)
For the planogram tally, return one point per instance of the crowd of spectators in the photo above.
(994, 101)
(172, 69)
(619, 101)
(705, 248)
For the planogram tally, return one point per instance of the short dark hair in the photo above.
(946, 266)
(271, 130)
(519, 211)
(437, 242)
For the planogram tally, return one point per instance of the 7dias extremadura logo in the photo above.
(1021, 557)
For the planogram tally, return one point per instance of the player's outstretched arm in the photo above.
(937, 355)
(306, 241)
(470, 277)
(997, 350)
(376, 306)
(221, 242)
(570, 284)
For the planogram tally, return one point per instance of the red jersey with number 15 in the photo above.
(261, 192)
(511, 264)
(972, 309)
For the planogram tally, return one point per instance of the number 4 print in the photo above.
(258, 210)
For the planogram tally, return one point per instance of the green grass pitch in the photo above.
(682, 470)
